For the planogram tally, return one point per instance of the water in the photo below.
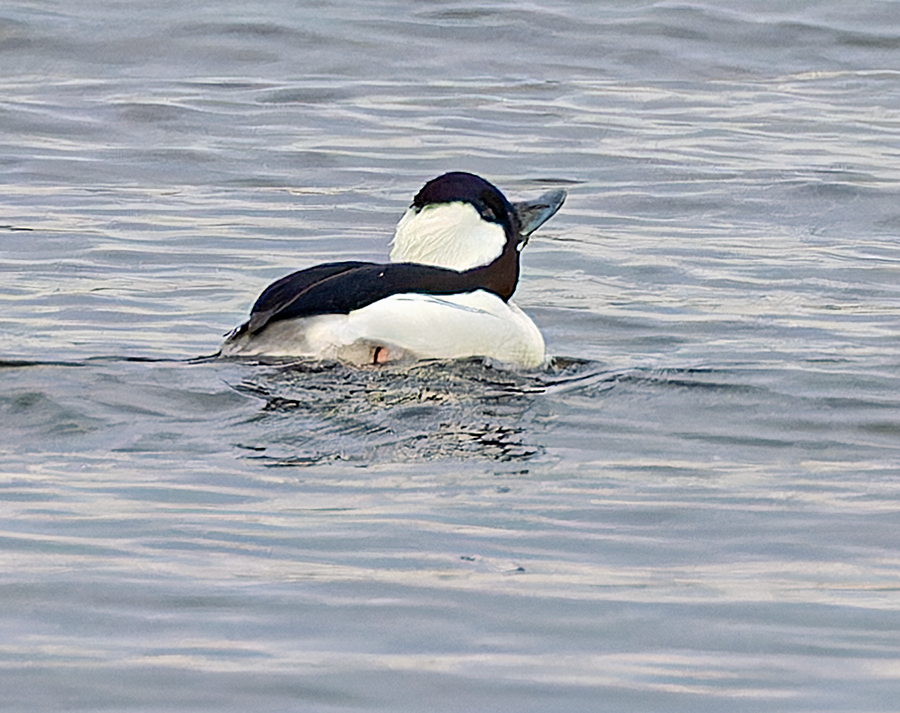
(693, 506)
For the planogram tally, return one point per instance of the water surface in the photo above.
(692, 506)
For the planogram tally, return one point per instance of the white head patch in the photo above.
(452, 235)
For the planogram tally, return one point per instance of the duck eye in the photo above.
(490, 208)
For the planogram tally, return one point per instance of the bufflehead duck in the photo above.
(445, 294)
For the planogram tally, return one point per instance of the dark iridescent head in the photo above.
(461, 221)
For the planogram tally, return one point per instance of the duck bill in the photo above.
(533, 214)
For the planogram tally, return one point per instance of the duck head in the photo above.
(462, 222)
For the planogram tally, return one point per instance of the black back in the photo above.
(341, 287)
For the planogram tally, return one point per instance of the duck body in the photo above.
(446, 293)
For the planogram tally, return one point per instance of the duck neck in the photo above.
(502, 275)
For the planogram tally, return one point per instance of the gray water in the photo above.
(695, 506)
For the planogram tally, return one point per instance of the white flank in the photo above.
(408, 325)
(451, 235)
